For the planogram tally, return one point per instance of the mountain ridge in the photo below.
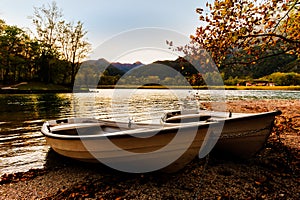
(287, 64)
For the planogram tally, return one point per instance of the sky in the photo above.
(107, 19)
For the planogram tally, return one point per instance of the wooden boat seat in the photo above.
(91, 129)
(187, 118)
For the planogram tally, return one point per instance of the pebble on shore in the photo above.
(272, 174)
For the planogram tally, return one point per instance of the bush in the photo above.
(284, 79)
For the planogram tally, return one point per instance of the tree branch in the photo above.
(257, 59)
(271, 35)
(291, 8)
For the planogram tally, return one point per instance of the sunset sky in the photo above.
(104, 19)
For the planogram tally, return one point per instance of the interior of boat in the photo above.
(178, 117)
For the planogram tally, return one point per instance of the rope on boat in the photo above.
(229, 135)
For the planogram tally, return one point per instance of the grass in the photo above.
(262, 87)
(41, 86)
(204, 87)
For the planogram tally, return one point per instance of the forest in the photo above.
(53, 55)
(248, 41)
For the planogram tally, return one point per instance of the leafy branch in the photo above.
(239, 28)
(271, 35)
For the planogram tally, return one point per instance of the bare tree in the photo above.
(73, 45)
(46, 19)
(61, 39)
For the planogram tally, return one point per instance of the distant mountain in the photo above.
(154, 69)
(180, 65)
(267, 66)
(125, 67)
(282, 63)
(103, 66)
(111, 69)
(164, 68)
(293, 66)
(94, 63)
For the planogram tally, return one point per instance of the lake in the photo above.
(23, 147)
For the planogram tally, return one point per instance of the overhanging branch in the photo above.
(286, 14)
(271, 35)
(256, 59)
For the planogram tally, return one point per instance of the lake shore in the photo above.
(224, 87)
(41, 88)
(272, 174)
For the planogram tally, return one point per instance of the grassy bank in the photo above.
(43, 87)
(262, 87)
(34, 87)
(227, 87)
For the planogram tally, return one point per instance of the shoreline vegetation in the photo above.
(37, 87)
(271, 174)
(226, 87)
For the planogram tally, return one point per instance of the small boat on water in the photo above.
(170, 143)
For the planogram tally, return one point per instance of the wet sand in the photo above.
(272, 174)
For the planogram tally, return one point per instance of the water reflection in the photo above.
(32, 106)
(21, 144)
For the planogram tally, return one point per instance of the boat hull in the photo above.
(244, 137)
(173, 151)
(242, 134)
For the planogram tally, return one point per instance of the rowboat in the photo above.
(243, 134)
(128, 147)
(169, 144)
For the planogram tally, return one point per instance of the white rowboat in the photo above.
(174, 141)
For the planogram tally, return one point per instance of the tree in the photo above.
(60, 40)
(18, 54)
(12, 45)
(73, 45)
(32, 53)
(46, 20)
(244, 32)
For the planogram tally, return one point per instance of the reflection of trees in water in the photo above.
(52, 105)
(24, 107)
(14, 107)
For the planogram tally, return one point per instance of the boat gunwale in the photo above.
(122, 134)
(162, 130)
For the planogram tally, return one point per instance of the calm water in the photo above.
(23, 147)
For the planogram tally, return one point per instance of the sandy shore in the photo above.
(272, 174)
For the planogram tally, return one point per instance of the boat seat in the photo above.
(187, 118)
